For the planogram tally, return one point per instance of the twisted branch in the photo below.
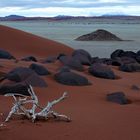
(46, 112)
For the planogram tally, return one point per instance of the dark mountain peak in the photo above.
(13, 17)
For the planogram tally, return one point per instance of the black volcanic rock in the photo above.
(17, 88)
(5, 55)
(122, 53)
(138, 56)
(101, 71)
(117, 53)
(50, 59)
(26, 76)
(99, 35)
(29, 58)
(83, 56)
(64, 69)
(117, 97)
(106, 61)
(39, 69)
(71, 62)
(121, 57)
(123, 60)
(66, 77)
(129, 54)
(133, 67)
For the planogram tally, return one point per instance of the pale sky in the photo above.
(69, 7)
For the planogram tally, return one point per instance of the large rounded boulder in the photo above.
(17, 88)
(66, 77)
(121, 53)
(26, 76)
(129, 54)
(83, 56)
(101, 71)
(71, 63)
(117, 53)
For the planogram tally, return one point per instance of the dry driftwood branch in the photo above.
(46, 112)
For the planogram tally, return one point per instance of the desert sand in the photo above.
(93, 117)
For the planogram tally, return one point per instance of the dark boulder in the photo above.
(71, 62)
(129, 54)
(117, 53)
(99, 35)
(39, 69)
(95, 60)
(5, 55)
(121, 53)
(19, 74)
(29, 58)
(138, 56)
(50, 59)
(138, 53)
(64, 69)
(14, 88)
(134, 67)
(127, 60)
(71, 78)
(102, 71)
(60, 55)
(118, 61)
(117, 97)
(25, 75)
(83, 56)
(106, 61)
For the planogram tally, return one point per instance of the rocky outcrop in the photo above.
(99, 35)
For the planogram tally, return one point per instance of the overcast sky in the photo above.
(69, 7)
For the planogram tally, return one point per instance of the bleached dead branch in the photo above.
(46, 112)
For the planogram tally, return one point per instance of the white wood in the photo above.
(46, 112)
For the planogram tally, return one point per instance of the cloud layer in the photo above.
(68, 7)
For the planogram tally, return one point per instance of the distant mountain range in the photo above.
(66, 17)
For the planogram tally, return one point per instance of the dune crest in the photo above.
(21, 43)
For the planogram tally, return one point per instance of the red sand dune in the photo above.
(93, 118)
(20, 43)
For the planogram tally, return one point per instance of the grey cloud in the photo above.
(63, 3)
